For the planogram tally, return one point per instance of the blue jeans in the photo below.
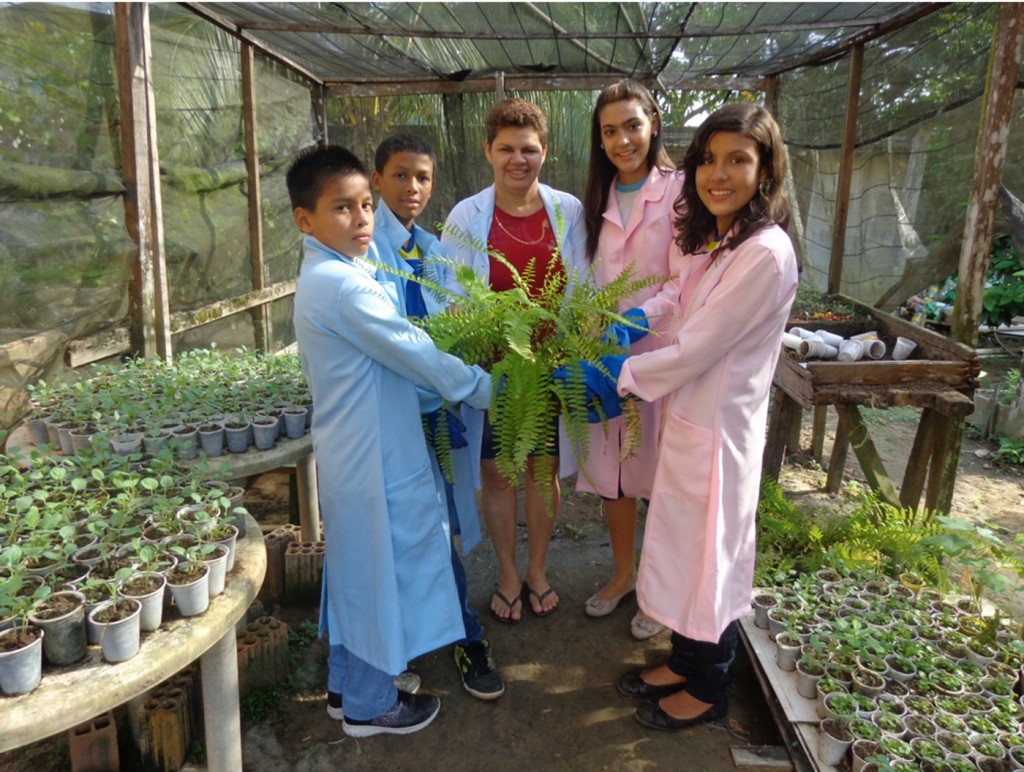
(366, 691)
(470, 618)
(705, 665)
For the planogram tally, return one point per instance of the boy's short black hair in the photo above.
(308, 172)
(400, 143)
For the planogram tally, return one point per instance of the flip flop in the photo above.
(540, 596)
(511, 605)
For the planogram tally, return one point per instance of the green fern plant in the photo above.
(893, 539)
(521, 337)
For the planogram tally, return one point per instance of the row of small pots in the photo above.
(61, 626)
(213, 435)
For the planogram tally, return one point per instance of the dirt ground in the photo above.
(561, 710)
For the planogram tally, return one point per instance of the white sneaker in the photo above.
(643, 627)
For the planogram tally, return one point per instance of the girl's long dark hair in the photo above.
(602, 171)
(694, 223)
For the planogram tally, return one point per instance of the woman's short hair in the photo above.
(518, 114)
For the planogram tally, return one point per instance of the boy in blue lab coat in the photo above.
(389, 592)
(404, 178)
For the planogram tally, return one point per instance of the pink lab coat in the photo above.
(645, 243)
(697, 565)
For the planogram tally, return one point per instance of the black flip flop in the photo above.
(511, 604)
(540, 596)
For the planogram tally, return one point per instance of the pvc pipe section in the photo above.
(827, 345)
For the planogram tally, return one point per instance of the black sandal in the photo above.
(511, 605)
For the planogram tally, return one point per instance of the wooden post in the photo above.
(453, 106)
(993, 138)
(261, 313)
(320, 111)
(771, 94)
(148, 306)
(835, 266)
(837, 459)
(499, 86)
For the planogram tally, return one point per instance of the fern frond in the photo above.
(521, 336)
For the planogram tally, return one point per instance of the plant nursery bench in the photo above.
(939, 379)
(69, 696)
(234, 466)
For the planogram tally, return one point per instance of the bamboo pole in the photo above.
(835, 266)
(149, 310)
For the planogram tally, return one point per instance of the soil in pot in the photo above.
(148, 589)
(21, 659)
(62, 618)
(118, 622)
(189, 584)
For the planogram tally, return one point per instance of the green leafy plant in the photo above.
(1011, 451)
(1004, 284)
(521, 336)
(811, 304)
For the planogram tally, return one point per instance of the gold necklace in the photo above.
(540, 240)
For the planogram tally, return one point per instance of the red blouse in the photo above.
(520, 240)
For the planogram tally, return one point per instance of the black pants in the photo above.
(705, 665)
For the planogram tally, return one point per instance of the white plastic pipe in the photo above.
(829, 337)
(903, 348)
(789, 340)
(850, 351)
(814, 347)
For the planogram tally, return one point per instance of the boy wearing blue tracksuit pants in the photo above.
(404, 178)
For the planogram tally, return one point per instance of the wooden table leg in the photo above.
(779, 431)
(939, 494)
(309, 499)
(922, 458)
(794, 420)
(818, 432)
(837, 460)
(870, 462)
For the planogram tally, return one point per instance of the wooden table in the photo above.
(940, 380)
(234, 466)
(74, 694)
(795, 717)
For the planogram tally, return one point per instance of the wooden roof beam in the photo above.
(592, 82)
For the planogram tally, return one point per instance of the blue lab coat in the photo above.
(389, 235)
(388, 589)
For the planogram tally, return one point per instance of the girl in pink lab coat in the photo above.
(734, 280)
(631, 188)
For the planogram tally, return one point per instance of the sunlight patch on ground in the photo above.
(558, 680)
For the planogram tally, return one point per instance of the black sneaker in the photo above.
(410, 714)
(404, 682)
(479, 675)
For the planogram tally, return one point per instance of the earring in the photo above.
(765, 187)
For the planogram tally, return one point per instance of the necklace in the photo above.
(539, 240)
